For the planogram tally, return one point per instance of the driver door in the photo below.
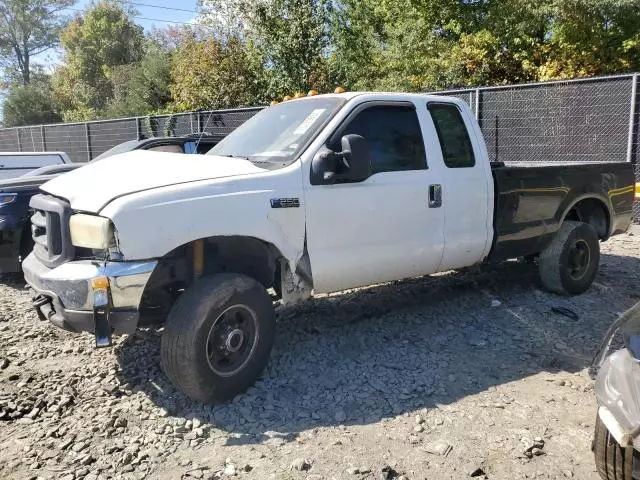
(382, 228)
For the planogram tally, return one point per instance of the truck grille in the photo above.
(50, 230)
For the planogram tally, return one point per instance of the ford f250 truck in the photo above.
(313, 195)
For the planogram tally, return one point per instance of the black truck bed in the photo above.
(532, 200)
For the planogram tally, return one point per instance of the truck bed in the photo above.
(532, 200)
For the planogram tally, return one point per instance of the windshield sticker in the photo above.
(310, 120)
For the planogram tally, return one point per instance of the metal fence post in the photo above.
(88, 140)
(477, 112)
(138, 128)
(632, 116)
(44, 138)
(19, 141)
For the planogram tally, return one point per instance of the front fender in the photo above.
(152, 223)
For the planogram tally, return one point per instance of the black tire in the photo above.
(201, 334)
(570, 262)
(609, 456)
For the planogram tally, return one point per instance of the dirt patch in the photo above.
(461, 375)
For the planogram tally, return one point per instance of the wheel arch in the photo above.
(593, 210)
(178, 269)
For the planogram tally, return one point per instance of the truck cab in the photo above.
(313, 195)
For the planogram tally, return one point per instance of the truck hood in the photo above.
(92, 187)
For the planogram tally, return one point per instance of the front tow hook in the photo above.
(39, 302)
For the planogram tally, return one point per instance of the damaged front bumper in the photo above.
(80, 296)
(618, 395)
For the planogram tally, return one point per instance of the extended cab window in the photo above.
(394, 136)
(452, 133)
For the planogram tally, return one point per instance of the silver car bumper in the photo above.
(66, 297)
(617, 387)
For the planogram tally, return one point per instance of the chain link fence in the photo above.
(86, 140)
(583, 120)
(563, 121)
(594, 120)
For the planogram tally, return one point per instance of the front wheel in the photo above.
(218, 337)
(570, 262)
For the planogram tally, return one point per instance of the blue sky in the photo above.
(162, 14)
(149, 14)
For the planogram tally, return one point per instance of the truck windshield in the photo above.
(278, 133)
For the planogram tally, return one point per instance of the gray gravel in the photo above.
(477, 374)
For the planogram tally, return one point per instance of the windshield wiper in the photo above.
(236, 156)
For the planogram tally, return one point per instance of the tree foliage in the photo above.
(426, 44)
(216, 74)
(292, 36)
(95, 45)
(245, 52)
(29, 105)
(142, 87)
(28, 28)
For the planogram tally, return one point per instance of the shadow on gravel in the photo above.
(362, 356)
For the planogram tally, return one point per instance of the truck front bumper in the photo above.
(66, 297)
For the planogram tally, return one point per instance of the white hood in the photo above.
(91, 187)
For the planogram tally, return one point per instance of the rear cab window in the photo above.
(457, 151)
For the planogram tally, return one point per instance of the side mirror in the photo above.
(352, 164)
(357, 156)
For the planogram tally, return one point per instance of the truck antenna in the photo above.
(204, 129)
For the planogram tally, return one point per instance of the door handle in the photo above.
(435, 196)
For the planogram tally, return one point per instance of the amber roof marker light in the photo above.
(312, 93)
(339, 90)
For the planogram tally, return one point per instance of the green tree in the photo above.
(293, 37)
(592, 38)
(225, 19)
(423, 45)
(215, 74)
(28, 105)
(142, 87)
(29, 28)
(95, 45)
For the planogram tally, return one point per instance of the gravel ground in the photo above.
(461, 375)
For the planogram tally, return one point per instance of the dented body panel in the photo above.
(233, 206)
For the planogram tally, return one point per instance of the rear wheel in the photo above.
(218, 337)
(570, 262)
(610, 457)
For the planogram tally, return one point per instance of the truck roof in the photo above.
(350, 95)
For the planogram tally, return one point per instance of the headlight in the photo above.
(91, 231)
(6, 198)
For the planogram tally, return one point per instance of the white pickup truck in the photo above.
(313, 195)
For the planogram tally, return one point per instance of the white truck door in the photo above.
(382, 228)
(467, 198)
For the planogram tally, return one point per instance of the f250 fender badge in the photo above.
(285, 203)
